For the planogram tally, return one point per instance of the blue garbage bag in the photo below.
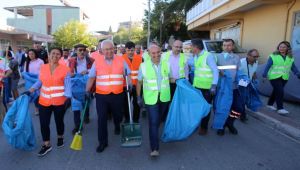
(187, 109)
(17, 125)
(78, 84)
(250, 94)
(222, 101)
(30, 79)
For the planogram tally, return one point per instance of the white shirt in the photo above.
(244, 68)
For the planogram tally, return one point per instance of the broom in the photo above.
(77, 140)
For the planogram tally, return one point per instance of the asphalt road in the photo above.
(256, 147)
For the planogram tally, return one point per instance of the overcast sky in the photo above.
(102, 13)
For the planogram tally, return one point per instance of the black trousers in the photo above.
(277, 93)
(208, 97)
(77, 116)
(136, 108)
(45, 117)
(236, 109)
(104, 104)
(172, 89)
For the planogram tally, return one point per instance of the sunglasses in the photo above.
(81, 50)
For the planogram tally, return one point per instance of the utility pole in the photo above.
(149, 33)
(130, 23)
(161, 24)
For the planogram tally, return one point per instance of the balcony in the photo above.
(202, 8)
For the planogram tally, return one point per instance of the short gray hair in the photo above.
(107, 42)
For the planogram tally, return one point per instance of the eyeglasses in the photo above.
(255, 56)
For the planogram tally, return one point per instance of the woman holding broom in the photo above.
(54, 85)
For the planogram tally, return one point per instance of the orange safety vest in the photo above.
(64, 62)
(134, 67)
(52, 91)
(109, 76)
(95, 55)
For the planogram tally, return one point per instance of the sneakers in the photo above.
(44, 150)
(154, 153)
(60, 142)
(271, 107)
(283, 112)
(232, 129)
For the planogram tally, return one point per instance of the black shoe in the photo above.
(86, 120)
(221, 132)
(74, 131)
(117, 131)
(232, 130)
(101, 148)
(60, 142)
(244, 119)
(44, 150)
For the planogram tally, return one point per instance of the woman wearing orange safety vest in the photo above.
(54, 85)
(133, 61)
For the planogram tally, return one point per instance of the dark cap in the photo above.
(198, 43)
(80, 45)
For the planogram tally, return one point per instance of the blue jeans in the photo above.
(155, 113)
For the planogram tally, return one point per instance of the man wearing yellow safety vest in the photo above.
(178, 64)
(154, 76)
(206, 77)
(278, 68)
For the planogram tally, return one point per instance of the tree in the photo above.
(73, 32)
(174, 12)
(137, 35)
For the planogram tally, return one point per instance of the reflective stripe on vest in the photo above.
(150, 86)
(182, 62)
(52, 90)
(109, 78)
(203, 74)
(280, 67)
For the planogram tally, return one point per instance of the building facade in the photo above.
(259, 24)
(43, 19)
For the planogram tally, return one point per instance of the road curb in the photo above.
(276, 124)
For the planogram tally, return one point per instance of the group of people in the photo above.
(152, 79)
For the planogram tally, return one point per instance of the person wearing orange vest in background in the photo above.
(81, 64)
(98, 52)
(134, 62)
(108, 72)
(64, 60)
(55, 91)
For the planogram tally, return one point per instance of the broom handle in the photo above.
(128, 98)
(82, 115)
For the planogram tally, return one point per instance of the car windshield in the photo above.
(216, 47)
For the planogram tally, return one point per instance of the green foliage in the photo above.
(73, 32)
(135, 34)
(174, 12)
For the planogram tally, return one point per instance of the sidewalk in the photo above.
(289, 125)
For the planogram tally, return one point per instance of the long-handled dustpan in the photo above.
(131, 135)
(77, 140)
